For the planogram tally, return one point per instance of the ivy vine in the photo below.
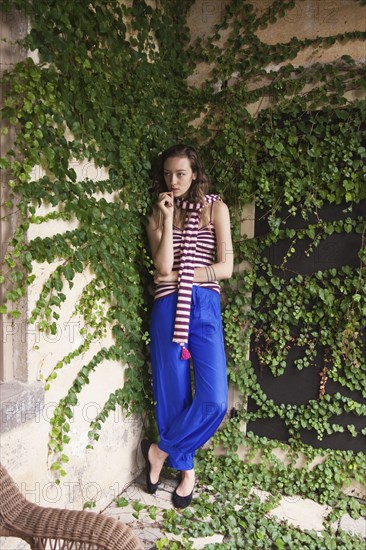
(112, 86)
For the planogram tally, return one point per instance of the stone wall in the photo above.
(28, 354)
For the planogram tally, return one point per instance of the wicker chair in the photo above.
(58, 529)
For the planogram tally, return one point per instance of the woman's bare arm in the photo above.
(161, 237)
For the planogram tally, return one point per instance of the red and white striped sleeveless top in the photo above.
(205, 255)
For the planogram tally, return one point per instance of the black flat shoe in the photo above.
(145, 446)
(182, 502)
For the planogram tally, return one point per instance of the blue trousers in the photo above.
(186, 419)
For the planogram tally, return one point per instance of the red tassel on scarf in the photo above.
(185, 353)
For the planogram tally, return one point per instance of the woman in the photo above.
(188, 228)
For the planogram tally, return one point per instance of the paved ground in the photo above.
(303, 513)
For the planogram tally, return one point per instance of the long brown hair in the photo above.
(199, 187)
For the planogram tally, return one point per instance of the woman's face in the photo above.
(178, 175)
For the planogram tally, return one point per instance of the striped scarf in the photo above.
(186, 268)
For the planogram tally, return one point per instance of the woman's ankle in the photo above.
(158, 454)
(187, 483)
(188, 474)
